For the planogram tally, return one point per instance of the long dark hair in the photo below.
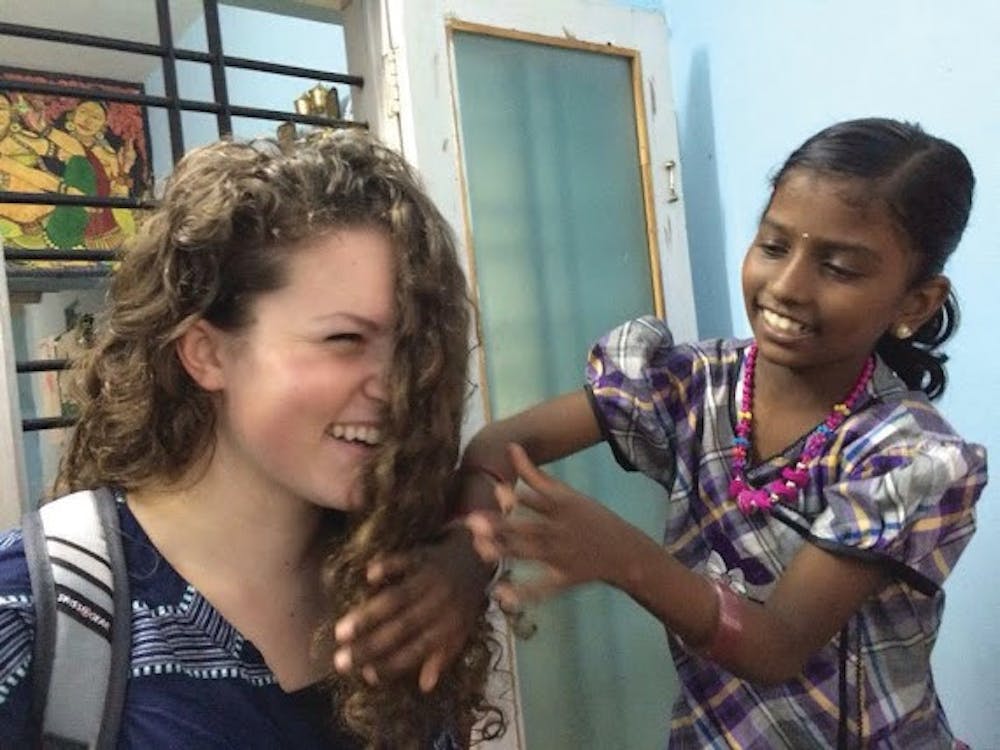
(927, 184)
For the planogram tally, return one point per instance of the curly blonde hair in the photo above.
(231, 214)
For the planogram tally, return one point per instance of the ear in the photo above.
(200, 351)
(921, 302)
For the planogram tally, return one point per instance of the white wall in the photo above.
(753, 80)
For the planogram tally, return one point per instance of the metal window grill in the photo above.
(174, 105)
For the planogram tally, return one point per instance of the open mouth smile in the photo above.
(784, 324)
(356, 433)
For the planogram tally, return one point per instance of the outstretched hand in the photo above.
(573, 538)
(424, 608)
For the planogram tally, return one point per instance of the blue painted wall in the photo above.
(751, 81)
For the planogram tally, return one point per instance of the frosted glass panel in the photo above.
(559, 233)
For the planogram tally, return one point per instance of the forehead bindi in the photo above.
(836, 211)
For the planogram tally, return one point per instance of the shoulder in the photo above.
(650, 394)
(903, 482)
(646, 345)
(902, 427)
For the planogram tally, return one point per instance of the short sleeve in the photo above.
(913, 503)
(632, 382)
(17, 627)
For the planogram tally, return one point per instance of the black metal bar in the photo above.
(83, 40)
(280, 69)
(291, 70)
(62, 199)
(182, 104)
(14, 271)
(170, 79)
(141, 48)
(42, 365)
(86, 93)
(46, 423)
(82, 256)
(214, 33)
(111, 96)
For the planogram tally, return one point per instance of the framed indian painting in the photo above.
(87, 146)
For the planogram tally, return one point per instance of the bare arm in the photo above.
(66, 142)
(548, 431)
(577, 539)
(812, 601)
(34, 177)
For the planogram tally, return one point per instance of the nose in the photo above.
(792, 280)
(375, 385)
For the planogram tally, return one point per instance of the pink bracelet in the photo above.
(727, 639)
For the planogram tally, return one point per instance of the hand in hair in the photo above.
(424, 606)
(574, 538)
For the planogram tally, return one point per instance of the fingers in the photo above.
(395, 643)
(485, 534)
(383, 605)
(360, 619)
(419, 646)
(513, 596)
(495, 537)
(415, 624)
(506, 498)
(431, 669)
(381, 571)
(385, 568)
(543, 485)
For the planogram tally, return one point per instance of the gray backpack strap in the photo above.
(43, 595)
(83, 620)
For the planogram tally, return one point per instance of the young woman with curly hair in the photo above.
(275, 398)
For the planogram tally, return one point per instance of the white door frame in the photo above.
(13, 488)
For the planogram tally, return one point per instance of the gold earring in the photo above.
(902, 331)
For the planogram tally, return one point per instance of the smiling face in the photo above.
(302, 387)
(88, 119)
(828, 274)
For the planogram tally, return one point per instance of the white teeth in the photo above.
(782, 323)
(357, 433)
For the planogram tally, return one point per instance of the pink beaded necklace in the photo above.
(793, 478)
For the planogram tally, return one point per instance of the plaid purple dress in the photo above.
(894, 485)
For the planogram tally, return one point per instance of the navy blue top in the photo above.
(195, 682)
